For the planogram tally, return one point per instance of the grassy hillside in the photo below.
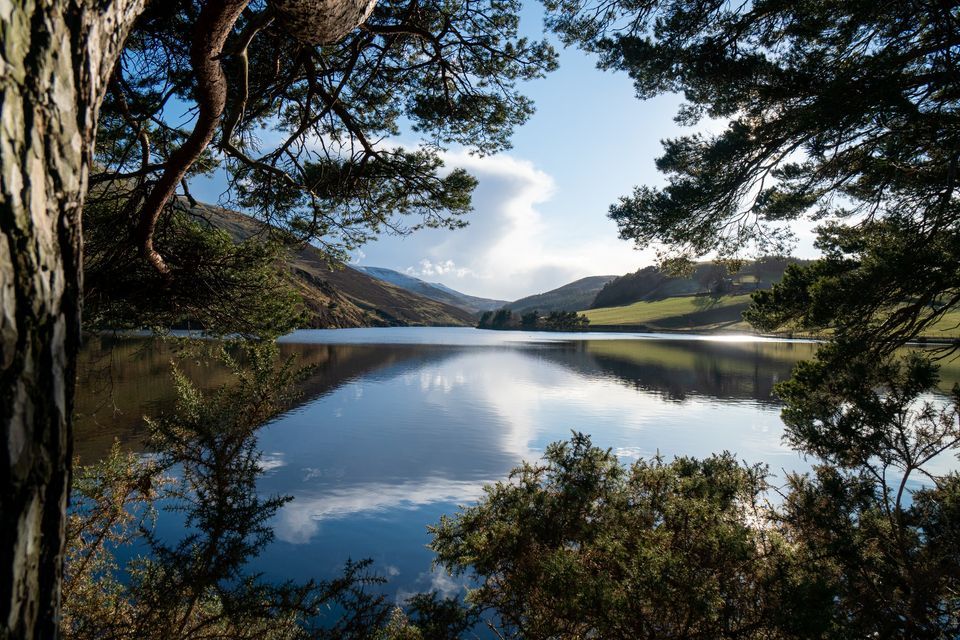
(706, 313)
(677, 313)
(711, 278)
(570, 297)
(340, 296)
(947, 328)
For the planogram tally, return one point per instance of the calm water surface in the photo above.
(399, 426)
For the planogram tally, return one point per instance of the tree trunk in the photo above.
(55, 59)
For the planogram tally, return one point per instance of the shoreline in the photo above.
(710, 331)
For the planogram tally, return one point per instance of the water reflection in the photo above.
(396, 427)
(120, 380)
(123, 379)
(676, 370)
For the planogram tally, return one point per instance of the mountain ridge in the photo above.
(432, 290)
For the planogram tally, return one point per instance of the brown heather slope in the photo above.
(343, 297)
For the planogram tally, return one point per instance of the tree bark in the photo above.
(56, 57)
(322, 21)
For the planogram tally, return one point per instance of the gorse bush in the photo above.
(580, 546)
(203, 468)
(866, 545)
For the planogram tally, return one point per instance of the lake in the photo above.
(398, 426)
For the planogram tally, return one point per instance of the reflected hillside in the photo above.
(121, 380)
(677, 369)
(727, 370)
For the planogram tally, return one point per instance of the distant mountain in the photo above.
(340, 296)
(575, 296)
(432, 290)
(650, 283)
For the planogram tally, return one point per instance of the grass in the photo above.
(947, 327)
(705, 314)
(682, 312)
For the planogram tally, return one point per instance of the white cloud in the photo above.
(299, 520)
(628, 453)
(428, 268)
(270, 461)
(444, 583)
(437, 579)
(514, 245)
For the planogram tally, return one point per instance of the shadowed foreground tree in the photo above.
(57, 58)
(306, 141)
(242, 69)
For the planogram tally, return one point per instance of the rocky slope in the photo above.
(338, 296)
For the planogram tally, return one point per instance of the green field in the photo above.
(679, 313)
(705, 313)
(947, 327)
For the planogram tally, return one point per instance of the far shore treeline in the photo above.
(533, 321)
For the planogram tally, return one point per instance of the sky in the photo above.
(539, 218)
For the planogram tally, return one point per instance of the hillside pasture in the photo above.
(701, 313)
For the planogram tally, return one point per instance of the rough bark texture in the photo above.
(55, 59)
(322, 21)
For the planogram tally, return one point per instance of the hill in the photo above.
(650, 283)
(337, 296)
(705, 313)
(677, 313)
(432, 290)
(709, 298)
(574, 296)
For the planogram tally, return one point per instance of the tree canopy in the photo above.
(835, 108)
(329, 142)
(840, 112)
(308, 133)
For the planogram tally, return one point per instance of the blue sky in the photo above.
(539, 218)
